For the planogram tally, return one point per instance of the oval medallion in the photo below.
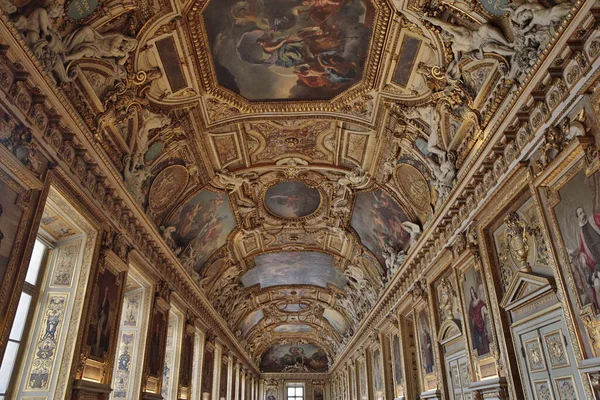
(167, 187)
(292, 200)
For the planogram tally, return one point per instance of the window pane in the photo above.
(299, 391)
(36, 261)
(290, 391)
(20, 317)
(8, 362)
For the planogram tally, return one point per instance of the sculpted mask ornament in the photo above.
(518, 241)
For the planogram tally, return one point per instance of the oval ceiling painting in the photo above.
(311, 50)
(294, 358)
(292, 200)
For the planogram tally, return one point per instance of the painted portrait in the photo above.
(426, 342)
(292, 200)
(397, 364)
(10, 217)
(223, 383)
(103, 324)
(207, 370)
(362, 377)
(578, 217)
(478, 314)
(377, 218)
(158, 340)
(317, 393)
(271, 394)
(294, 268)
(200, 226)
(377, 375)
(294, 358)
(187, 360)
(298, 50)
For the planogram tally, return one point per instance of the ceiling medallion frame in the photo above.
(309, 184)
(200, 43)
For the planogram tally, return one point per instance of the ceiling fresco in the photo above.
(289, 153)
(309, 50)
(292, 199)
(294, 268)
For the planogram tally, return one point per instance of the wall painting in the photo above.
(578, 217)
(294, 358)
(478, 312)
(103, 322)
(10, 216)
(426, 342)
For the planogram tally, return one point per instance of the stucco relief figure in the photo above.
(43, 39)
(7, 6)
(87, 42)
(467, 42)
(478, 313)
(533, 25)
(135, 177)
(530, 16)
(151, 122)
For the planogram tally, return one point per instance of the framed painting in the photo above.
(576, 212)
(425, 342)
(317, 393)
(363, 379)
(187, 357)
(10, 219)
(271, 393)
(157, 343)
(377, 361)
(223, 378)
(295, 358)
(207, 370)
(397, 365)
(477, 312)
(103, 323)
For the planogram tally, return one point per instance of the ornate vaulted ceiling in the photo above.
(290, 152)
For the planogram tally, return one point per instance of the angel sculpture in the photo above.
(467, 42)
(531, 15)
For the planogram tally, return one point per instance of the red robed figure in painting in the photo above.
(477, 311)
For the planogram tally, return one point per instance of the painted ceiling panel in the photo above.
(200, 226)
(293, 328)
(377, 218)
(244, 53)
(251, 320)
(294, 268)
(336, 320)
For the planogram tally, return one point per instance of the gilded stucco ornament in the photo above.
(518, 240)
